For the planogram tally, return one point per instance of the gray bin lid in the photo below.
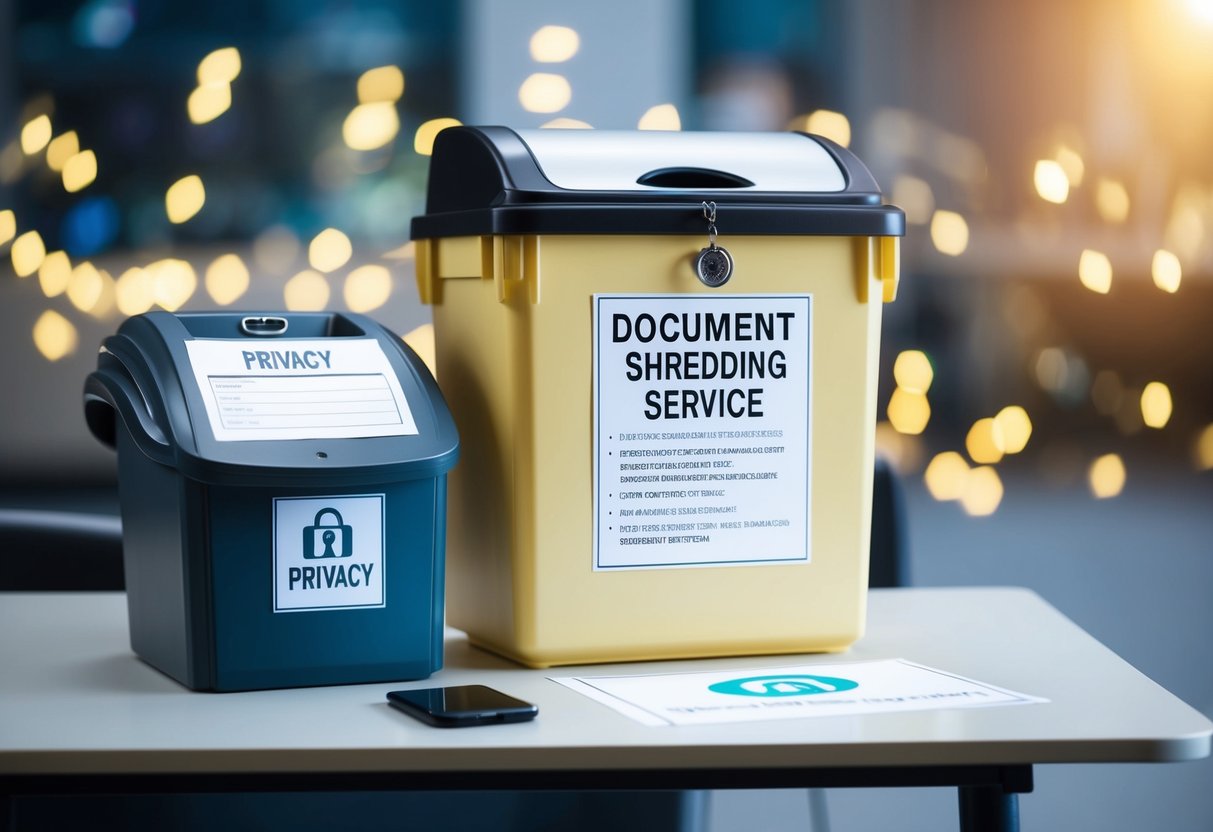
(494, 180)
(145, 383)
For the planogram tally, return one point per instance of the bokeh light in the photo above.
(134, 292)
(54, 273)
(421, 341)
(219, 67)
(173, 283)
(60, 149)
(949, 233)
(545, 92)
(371, 126)
(946, 476)
(307, 291)
(1112, 200)
(1202, 449)
(1071, 162)
(227, 279)
(908, 412)
(912, 371)
(1156, 405)
(27, 253)
(79, 171)
(85, 287)
(329, 250)
(660, 117)
(1016, 428)
(982, 492)
(1051, 181)
(54, 335)
(1106, 476)
(423, 140)
(1166, 271)
(1095, 271)
(554, 44)
(208, 102)
(8, 225)
(915, 197)
(832, 125)
(566, 123)
(383, 83)
(367, 288)
(985, 442)
(184, 198)
(36, 134)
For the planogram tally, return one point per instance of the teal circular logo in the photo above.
(771, 686)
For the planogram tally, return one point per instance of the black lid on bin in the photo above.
(181, 384)
(494, 180)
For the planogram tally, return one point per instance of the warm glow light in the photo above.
(1112, 200)
(307, 291)
(219, 67)
(184, 198)
(1202, 10)
(1106, 476)
(61, 149)
(1156, 405)
(946, 476)
(173, 283)
(660, 117)
(135, 292)
(1051, 181)
(367, 288)
(423, 141)
(983, 492)
(208, 102)
(421, 341)
(227, 279)
(908, 412)
(565, 123)
(371, 126)
(36, 134)
(1185, 232)
(329, 250)
(80, 171)
(912, 371)
(54, 335)
(55, 273)
(914, 196)
(1072, 164)
(545, 92)
(405, 252)
(8, 226)
(1016, 428)
(1095, 271)
(383, 83)
(985, 442)
(949, 233)
(554, 44)
(833, 125)
(1202, 449)
(1166, 271)
(28, 253)
(85, 287)
(1052, 369)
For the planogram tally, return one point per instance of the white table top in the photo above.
(74, 699)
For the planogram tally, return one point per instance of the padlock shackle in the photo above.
(332, 511)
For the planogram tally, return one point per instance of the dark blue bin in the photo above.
(283, 488)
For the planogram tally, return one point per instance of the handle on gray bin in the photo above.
(108, 394)
(700, 179)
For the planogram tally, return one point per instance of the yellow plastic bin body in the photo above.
(514, 327)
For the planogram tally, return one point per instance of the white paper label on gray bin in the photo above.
(288, 389)
(702, 412)
(328, 552)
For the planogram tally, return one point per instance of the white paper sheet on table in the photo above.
(789, 692)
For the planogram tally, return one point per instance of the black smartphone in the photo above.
(460, 706)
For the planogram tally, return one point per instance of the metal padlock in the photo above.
(334, 540)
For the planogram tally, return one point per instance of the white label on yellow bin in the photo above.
(701, 430)
(328, 552)
(299, 389)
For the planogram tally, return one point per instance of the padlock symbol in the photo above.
(327, 540)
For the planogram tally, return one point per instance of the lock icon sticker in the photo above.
(327, 539)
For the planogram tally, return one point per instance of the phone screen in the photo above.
(462, 705)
